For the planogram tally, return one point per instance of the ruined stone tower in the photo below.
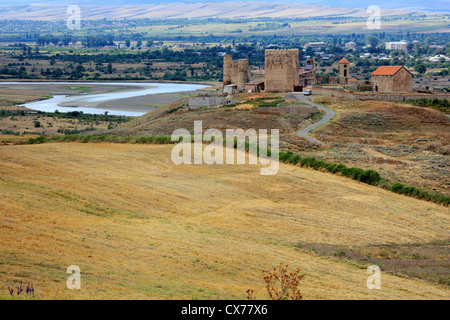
(343, 70)
(227, 66)
(243, 74)
(235, 72)
(281, 70)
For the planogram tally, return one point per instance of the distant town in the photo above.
(59, 58)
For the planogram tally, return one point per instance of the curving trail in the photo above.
(329, 114)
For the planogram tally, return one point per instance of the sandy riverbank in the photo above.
(129, 103)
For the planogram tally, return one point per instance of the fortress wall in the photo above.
(205, 102)
(295, 66)
(378, 96)
(236, 72)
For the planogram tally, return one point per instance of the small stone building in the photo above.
(352, 84)
(391, 79)
(257, 86)
(206, 102)
(230, 89)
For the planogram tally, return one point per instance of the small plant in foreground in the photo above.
(251, 294)
(281, 284)
(29, 290)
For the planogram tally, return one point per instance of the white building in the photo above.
(438, 57)
(350, 45)
(314, 45)
(399, 45)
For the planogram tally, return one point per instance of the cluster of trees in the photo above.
(71, 73)
(65, 40)
(20, 73)
(439, 104)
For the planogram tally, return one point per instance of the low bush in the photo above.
(419, 193)
(438, 104)
(370, 177)
(367, 176)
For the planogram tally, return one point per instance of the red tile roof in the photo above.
(386, 70)
(353, 79)
(343, 60)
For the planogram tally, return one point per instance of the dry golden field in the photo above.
(141, 227)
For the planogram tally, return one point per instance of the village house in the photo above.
(391, 79)
(350, 45)
(397, 45)
(314, 45)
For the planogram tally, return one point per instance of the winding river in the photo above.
(65, 103)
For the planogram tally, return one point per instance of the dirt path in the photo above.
(329, 114)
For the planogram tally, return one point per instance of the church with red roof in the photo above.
(391, 79)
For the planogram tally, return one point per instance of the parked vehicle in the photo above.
(307, 92)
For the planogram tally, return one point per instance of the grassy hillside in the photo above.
(405, 143)
(140, 227)
(164, 121)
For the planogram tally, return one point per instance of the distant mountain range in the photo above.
(227, 9)
(414, 5)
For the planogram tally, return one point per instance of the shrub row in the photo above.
(419, 193)
(440, 104)
(367, 176)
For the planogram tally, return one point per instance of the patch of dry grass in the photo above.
(407, 144)
(141, 227)
(9, 98)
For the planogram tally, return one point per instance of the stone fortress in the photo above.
(282, 73)
(235, 73)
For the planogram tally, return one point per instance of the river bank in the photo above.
(128, 99)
